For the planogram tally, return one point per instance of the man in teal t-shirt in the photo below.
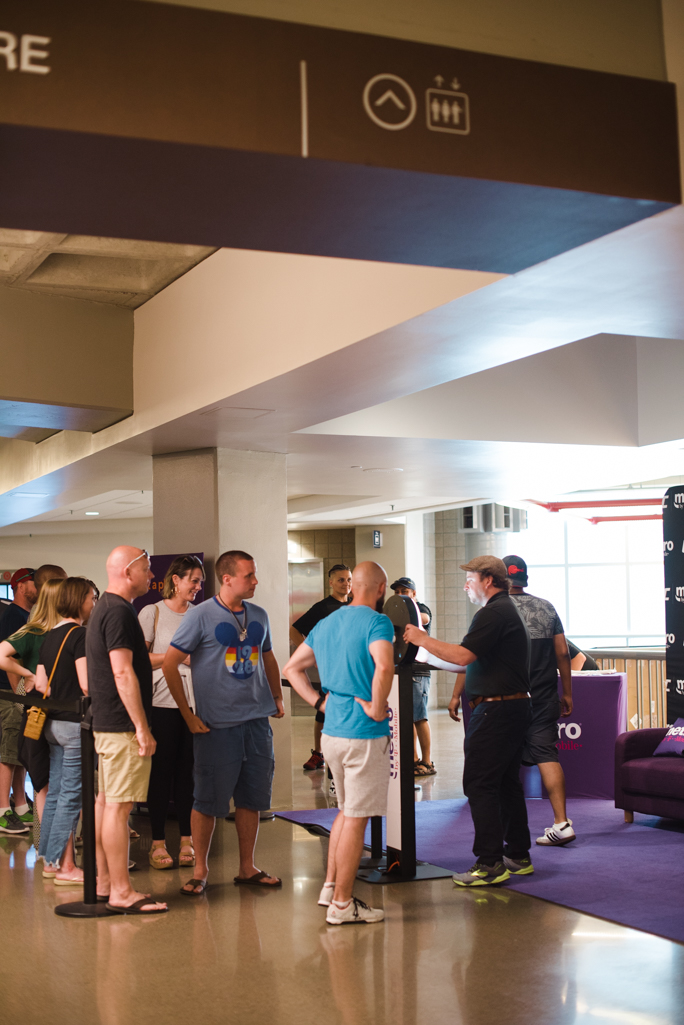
(354, 654)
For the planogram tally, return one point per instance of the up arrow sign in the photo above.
(390, 95)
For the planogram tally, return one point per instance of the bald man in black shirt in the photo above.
(496, 654)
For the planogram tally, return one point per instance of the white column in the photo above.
(214, 500)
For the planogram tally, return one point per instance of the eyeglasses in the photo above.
(144, 553)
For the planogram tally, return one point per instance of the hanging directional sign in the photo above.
(199, 112)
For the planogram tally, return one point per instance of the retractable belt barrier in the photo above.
(400, 864)
(89, 906)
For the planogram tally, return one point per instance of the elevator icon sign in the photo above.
(447, 111)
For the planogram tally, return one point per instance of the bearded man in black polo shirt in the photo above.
(496, 654)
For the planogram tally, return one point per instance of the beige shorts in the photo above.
(123, 774)
(360, 769)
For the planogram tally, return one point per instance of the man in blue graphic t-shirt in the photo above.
(354, 655)
(236, 681)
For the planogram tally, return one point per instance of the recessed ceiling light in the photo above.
(384, 469)
(31, 494)
(92, 514)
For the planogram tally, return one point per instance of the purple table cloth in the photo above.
(586, 739)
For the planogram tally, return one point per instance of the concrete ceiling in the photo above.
(627, 286)
(113, 505)
(120, 272)
(604, 390)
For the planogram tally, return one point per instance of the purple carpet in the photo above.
(625, 873)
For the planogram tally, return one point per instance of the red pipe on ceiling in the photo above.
(620, 519)
(611, 503)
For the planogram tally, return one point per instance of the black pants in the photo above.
(491, 779)
(171, 774)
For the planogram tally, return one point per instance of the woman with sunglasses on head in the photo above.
(62, 674)
(172, 762)
(19, 655)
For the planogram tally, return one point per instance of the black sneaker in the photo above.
(12, 824)
(483, 875)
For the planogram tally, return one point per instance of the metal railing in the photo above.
(646, 682)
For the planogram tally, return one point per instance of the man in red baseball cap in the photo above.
(12, 773)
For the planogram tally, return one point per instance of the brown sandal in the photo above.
(424, 769)
(137, 908)
(186, 860)
(158, 855)
(256, 880)
(194, 883)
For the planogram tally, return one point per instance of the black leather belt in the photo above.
(500, 697)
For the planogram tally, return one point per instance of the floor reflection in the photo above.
(240, 956)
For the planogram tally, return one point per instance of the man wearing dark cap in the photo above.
(549, 655)
(12, 773)
(496, 654)
(423, 766)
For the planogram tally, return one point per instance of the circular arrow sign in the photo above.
(389, 102)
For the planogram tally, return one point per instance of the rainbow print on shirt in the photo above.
(241, 657)
(241, 653)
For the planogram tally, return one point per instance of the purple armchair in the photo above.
(654, 786)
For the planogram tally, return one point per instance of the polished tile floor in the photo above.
(252, 957)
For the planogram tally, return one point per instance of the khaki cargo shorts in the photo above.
(10, 724)
(360, 769)
(123, 774)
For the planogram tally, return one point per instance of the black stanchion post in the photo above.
(407, 855)
(376, 859)
(89, 906)
(376, 837)
(400, 864)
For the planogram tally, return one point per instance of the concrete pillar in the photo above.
(186, 509)
(212, 500)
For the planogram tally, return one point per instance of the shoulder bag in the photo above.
(35, 717)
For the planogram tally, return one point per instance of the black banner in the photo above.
(673, 553)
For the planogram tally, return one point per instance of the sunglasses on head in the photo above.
(144, 553)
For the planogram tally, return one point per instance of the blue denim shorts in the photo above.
(236, 762)
(421, 692)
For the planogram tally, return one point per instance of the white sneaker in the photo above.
(331, 788)
(326, 895)
(558, 834)
(355, 912)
